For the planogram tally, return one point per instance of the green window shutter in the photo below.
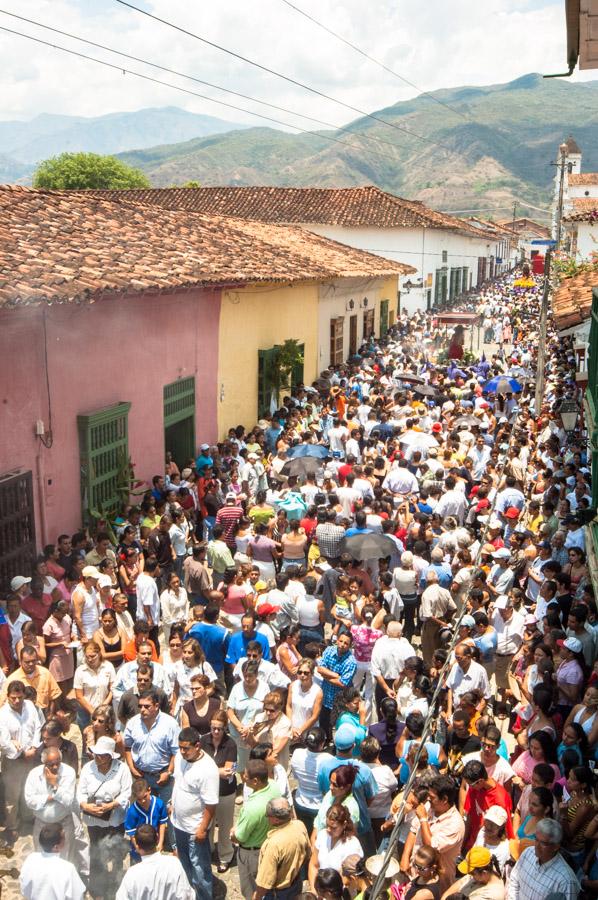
(104, 455)
(298, 373)
(264, 388)
(383, 317)
(179, 400)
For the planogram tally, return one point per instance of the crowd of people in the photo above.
(352, 650)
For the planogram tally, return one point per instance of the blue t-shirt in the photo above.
(213, 640)
(237, 647)
(433, 758)
(364, 786)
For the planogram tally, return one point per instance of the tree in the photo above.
(80, 171)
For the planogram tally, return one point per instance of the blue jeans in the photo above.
(195, 857)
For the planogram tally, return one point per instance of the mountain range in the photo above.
(484, 147)
(479, 148)
(24, 144)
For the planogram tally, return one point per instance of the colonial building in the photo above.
(128, 330)
(449, 255)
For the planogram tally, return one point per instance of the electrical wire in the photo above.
(377, 62)
(286, 78)
(119, 68)
(211, 84)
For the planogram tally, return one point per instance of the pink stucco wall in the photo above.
(116, 349)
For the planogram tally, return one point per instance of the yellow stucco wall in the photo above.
(256, 318)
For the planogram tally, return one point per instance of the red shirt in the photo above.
(37, 610)
(309, 525)
(343, 472)
(478, 801)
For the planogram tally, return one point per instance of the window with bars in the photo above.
(104, 457)
(17, 526)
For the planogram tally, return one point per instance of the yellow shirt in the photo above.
(282, 854)
(45, 685)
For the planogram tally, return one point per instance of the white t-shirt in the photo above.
(196, 785)
(501, 771)
(302, 703)
(387, 783)
(502, 852)
(304, 766)
(330, 857)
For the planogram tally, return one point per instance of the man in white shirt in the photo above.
(194, 801)
(466, 675)
(157, 875)
(338, 436)
(541, 871)
(45, 875)
(401, 480)
(148, 599)
(348, 496)
(388, 660)
(509, 627)
(49, 794)
(126, 679)
(479, 454)
(20, 723)
(453, 502)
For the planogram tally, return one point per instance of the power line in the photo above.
(382, 65)
(175, 87)
(197, 80)
(286, 78)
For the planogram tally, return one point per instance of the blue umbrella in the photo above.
(315, 450)
(502, 385)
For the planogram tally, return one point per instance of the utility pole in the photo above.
(559, 211)
(513, 231)
(541, 358)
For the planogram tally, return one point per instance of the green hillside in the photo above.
(497, 151)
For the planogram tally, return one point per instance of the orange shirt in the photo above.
(130, 651)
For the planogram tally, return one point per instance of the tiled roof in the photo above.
(582, 209)
(351, 207)
(583, 178)
(58, 246)
(572, 301)
(572, 145)
(501, 230)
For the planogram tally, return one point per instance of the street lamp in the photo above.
(569, 411)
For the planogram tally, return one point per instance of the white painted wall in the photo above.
(334, 302)
(585, 191)
(587, 239)
(422, 248)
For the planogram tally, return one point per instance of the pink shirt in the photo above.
(364, 639)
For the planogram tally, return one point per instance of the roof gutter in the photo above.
(572, 15)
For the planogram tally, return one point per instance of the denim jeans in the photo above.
(288, 893)
(195, 857)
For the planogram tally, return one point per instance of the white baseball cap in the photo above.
(18, 581)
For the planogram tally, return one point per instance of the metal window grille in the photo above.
(104, 452)
(17, 526)
(179, 400)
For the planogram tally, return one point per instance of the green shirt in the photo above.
(219, 557)
(252, 825)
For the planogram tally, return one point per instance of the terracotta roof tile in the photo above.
(351, 207)
(572, 301)
(584, 209)
(583, 178)
(60, 246)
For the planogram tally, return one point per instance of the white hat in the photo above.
(18, 581)
(90, 572)
(496, 814)
(204, 447)
(374, 865)
(501, 553)
(104, 746)
(572, 644)
(501, 602)
(104, 581)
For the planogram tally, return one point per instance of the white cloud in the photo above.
(433, 43)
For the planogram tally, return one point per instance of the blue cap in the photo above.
(345, 737)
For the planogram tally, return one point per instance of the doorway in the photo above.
(179, 420)
(352, 335)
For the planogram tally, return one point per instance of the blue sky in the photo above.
(433, 43)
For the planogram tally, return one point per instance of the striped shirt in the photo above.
(533, 880)
(228, 517)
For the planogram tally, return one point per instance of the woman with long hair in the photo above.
(304, 764)
(304, 701)
(193, 662)
(110, 638)
(387, 732)
(481, 875)
(174, 604)
(349, 708)
(334, 843)
(540, 806)
(541, 749)
(103, 724)
(57, 637)
(263, 551)
(287, 653)
(198, 712)
(92, 682)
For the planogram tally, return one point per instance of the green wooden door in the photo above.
(104, 457)
(264, 387)
(179, 419)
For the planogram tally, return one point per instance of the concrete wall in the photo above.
(587, 239)
(116, 349)
(257, 318)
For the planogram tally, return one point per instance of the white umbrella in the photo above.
(418, 439)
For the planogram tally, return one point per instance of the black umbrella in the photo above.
(409, 376)
(425, 390)
(369, 546)
(301, 466)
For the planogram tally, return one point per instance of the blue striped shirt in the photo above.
(344, 666)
